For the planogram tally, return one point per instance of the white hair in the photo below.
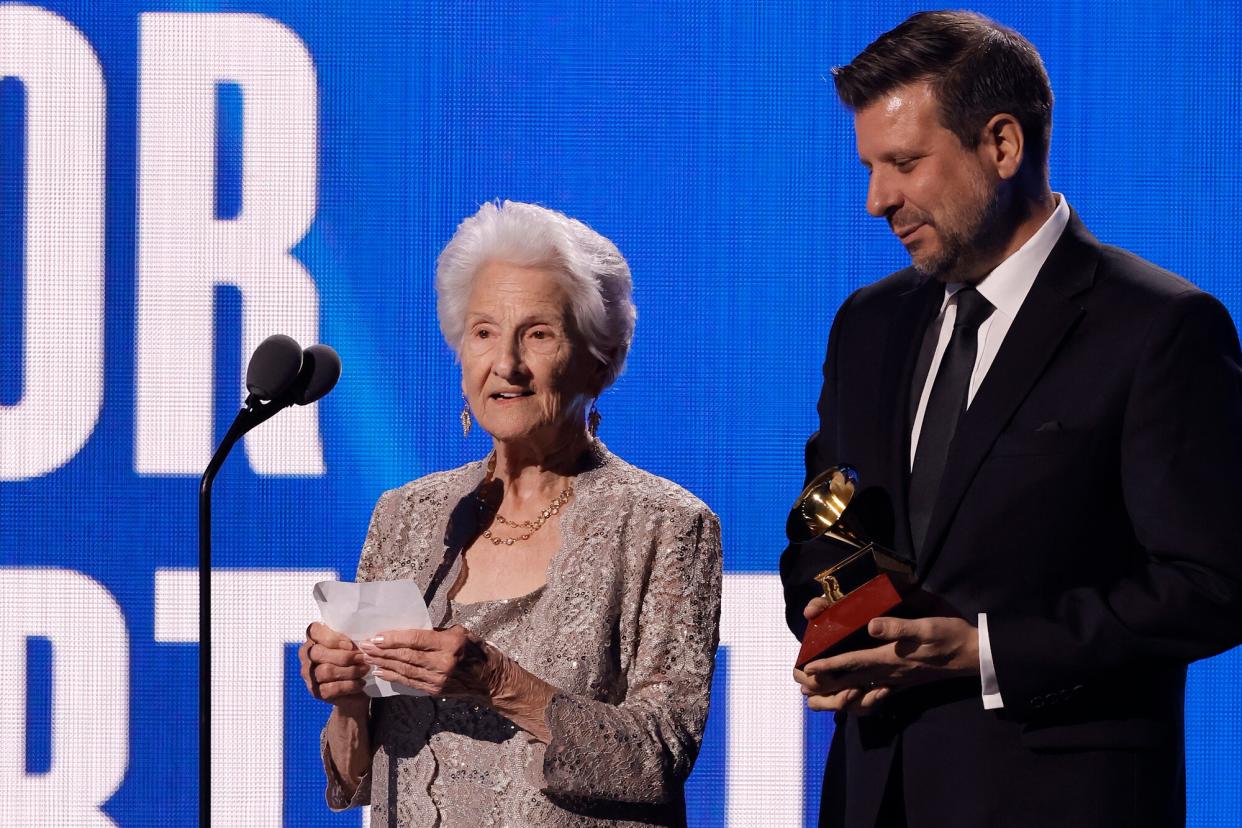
(595, 274)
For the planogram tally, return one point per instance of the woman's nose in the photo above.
(509, 361)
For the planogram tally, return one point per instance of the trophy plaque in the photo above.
(867, 581)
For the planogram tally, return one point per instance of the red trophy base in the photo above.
(829, 630)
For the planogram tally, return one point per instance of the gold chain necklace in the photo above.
(532, 526)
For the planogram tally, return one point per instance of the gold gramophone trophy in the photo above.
(866, 582)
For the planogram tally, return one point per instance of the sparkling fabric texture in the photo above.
(625, 628)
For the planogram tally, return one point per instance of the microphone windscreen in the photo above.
(321, 368)
(273, 367)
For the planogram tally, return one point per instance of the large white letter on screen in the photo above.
(64, 235)
(255, 613)
(184, 251)
(763, 703)
(90, 697)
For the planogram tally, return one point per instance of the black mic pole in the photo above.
(274, 368)
(284, 374)
(252, 415)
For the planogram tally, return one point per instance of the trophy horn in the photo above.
(822, 509)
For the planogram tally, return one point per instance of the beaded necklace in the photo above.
(531, 526)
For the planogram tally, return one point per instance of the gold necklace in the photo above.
(532, 526)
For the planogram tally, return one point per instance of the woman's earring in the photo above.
(466, 421)
(593, 419)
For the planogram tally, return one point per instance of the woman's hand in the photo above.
(453, 662)
(457, 663)
(333, 669)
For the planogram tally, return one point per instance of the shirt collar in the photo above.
(1007, 286)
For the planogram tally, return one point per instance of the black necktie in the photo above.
(945, 405)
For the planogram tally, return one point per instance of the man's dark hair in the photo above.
(976, 67)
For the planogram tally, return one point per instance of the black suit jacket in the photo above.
(1091, 506)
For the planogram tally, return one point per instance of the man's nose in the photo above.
(883, 197)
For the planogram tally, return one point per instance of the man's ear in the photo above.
(1003, 145)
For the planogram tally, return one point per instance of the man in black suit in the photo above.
(1057, 425)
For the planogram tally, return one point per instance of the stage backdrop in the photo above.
(180, 179)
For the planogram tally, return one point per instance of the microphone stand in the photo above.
(254, 413)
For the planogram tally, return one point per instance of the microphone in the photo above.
(321, 368)
(279, 374)
(273, 367)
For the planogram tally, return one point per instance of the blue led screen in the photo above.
(178, 180)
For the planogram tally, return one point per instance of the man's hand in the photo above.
(859, 701)
(917, 651)
(851, 700)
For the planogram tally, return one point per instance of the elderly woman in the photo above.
(575, 597)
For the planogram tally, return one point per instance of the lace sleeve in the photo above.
(642, 749)
(335, 793)
(382, 517)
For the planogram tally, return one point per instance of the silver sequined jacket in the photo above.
(625, 628)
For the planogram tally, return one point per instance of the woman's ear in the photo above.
(599, 377)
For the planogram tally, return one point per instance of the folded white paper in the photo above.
(360, 610)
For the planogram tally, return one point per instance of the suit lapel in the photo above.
(914, 312)
(1049, 312)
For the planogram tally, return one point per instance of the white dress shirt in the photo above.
(1006, 288)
